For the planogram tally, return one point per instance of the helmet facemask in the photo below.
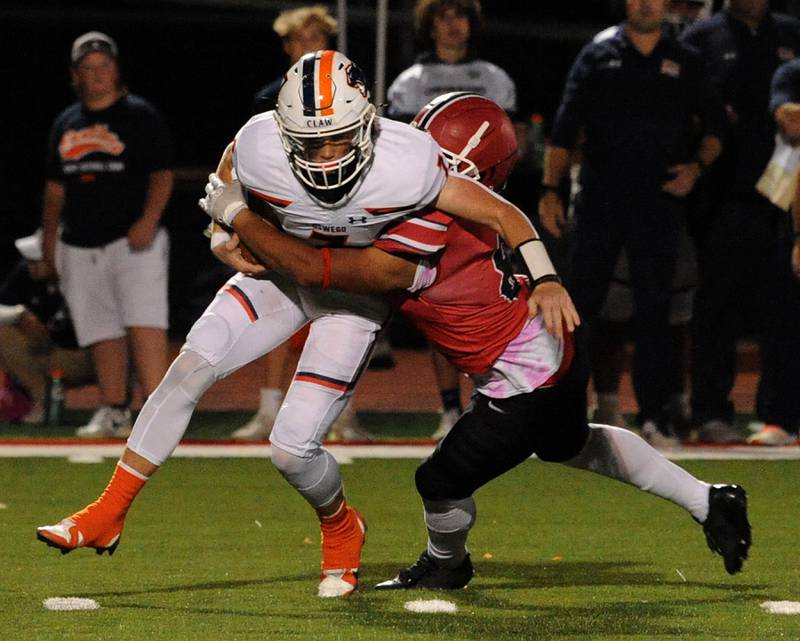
(324, 101)
(322, 176)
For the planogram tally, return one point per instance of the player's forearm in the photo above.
(470, 200)
(363, 271)
(288, 255)
(159, 190)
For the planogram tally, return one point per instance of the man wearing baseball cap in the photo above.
(108, 182)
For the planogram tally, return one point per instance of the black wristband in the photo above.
(702, 165)
(549, 278)
(543, 189)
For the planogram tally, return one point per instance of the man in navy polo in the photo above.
(635, 96)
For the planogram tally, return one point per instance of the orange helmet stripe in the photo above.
(326, 83)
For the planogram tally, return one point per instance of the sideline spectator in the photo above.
(448, 30)
(36, 333)
(743, 252)
(301, 30)
(108, 182)
(635, 92)
(784, 104)
(608, 342)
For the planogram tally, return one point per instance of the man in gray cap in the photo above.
(108, 182)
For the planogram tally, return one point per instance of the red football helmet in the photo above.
(474, 132)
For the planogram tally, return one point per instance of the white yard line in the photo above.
(347, 453)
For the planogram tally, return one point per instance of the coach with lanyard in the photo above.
(635, 94)
(108, 182)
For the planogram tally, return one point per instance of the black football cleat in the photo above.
(427, 573)
(726, 527)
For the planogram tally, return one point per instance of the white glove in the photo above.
(10, 314)
(223, 201)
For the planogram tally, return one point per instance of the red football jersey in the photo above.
(476, 305)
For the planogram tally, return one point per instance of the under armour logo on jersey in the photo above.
(353, 220)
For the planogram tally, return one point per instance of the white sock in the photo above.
(271, 400)
(620, 454)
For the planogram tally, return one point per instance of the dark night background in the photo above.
(200, 62)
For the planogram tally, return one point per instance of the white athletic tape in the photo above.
(434, 606)
(781, 607)
(536, 259)
(64, 603)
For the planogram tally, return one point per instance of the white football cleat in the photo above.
(337, 583)
(107, 422)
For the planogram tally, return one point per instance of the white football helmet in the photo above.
(324, 95)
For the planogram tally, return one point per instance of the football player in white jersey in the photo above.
(348, 175)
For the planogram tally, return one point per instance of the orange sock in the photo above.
(342, 539)
(109, 510)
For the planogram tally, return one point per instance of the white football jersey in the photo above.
(407, 173)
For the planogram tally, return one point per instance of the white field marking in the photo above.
(3, 506)
(781, 607)
(343, 452)
(680, 574)
(85, 458)
(63, 603)
(434, 606)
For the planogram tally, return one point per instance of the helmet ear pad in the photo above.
(475, 133)
(324, 94)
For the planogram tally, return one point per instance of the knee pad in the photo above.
(447, 517)
(316, 476)
(190, 373)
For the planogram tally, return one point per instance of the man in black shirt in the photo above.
(108, 182)
(635, 94)
(743, 248)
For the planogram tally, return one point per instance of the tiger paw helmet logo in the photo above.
(75, 145)
(357, 79)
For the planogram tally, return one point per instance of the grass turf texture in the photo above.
(573, 556)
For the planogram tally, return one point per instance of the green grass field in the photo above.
(224, 550)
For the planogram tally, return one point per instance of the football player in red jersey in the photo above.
(530, 390)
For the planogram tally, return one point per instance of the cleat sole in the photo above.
(53, 544)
